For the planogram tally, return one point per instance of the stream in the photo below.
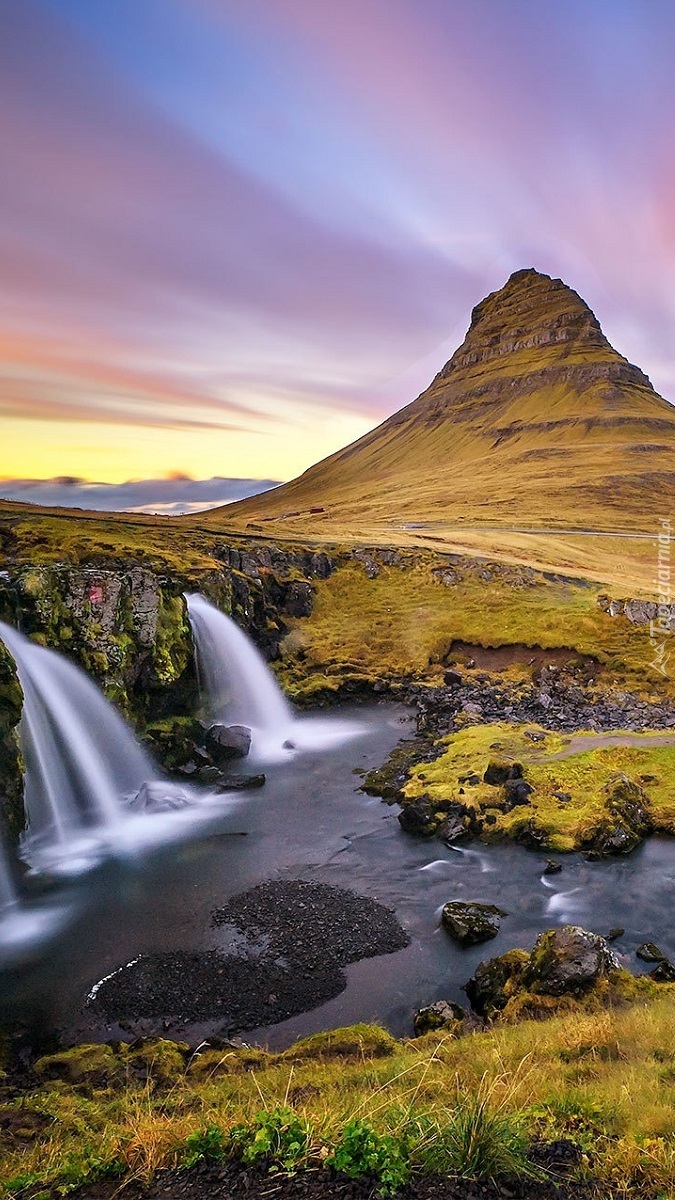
(311, 822)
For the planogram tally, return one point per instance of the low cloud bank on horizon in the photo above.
(167, 497)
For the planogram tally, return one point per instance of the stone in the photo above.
(225, 742)
(495, 981)
(499, 770)
(470, 922)
(516, 792)
(650, 953)
(640, 612)
(441, 1015)
(240, 783)
(452, 678)
(568, 960)
(552, 867)
(614, 934)
(454, 828)
(298, 598)
(154, 795)
(664, 972)
(417, 820)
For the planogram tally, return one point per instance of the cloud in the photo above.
(170, 496)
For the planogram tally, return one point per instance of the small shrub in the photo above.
(277, 1135)
(363, 1151)
(204, 1143)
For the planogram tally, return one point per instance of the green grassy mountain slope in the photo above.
(536, 420)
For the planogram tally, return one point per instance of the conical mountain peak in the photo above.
(536, 419)
(530, 312)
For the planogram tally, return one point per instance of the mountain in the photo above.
(535, 421)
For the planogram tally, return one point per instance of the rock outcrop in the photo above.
(564, 962)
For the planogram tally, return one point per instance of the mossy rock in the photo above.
(567, 960)
(470, 922)
(501, 770)
(93, 1064)
(353, 1041)
(157, 1060)
(226, 1060)
(496, 981)
(443, 1014)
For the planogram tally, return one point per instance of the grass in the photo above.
(403, 623)
(585, 774)
(470, 1107)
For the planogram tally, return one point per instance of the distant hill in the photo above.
(535, 421)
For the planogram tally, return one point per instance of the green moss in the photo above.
(93, 1064)
(156, 1059)
(402, 624)
(172, 650)
(352, 1041)
(574, 797)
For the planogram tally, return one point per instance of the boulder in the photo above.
(155, 796)
(516, 792)
(627, 800)
(495, 981)
(499, 770)
(640, 612)
(650, 953)
(225, 742)
(416, 819)
(664, 972)
(627, 823)
(441, 1015)
(455, 827)
(568, 960)
(470, 923)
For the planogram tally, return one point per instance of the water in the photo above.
(311, 822)
(238, 688)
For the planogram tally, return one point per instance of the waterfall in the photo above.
(237, 683)
(8, 897)
(238, 688)
(88, 785)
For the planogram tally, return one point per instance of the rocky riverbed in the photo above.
(285, 943)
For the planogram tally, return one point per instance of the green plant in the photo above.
(278, 1135)
(483, 1142)
(361, 1150)
(204, 1143)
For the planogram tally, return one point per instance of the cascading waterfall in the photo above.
(239, 688)
(235, 679)
(81, 757)
(88, 786)
(8, 897)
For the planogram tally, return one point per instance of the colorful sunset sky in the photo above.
(236, 234)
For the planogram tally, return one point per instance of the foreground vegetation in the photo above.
(363, 1102)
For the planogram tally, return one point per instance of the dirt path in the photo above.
(580, 743)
